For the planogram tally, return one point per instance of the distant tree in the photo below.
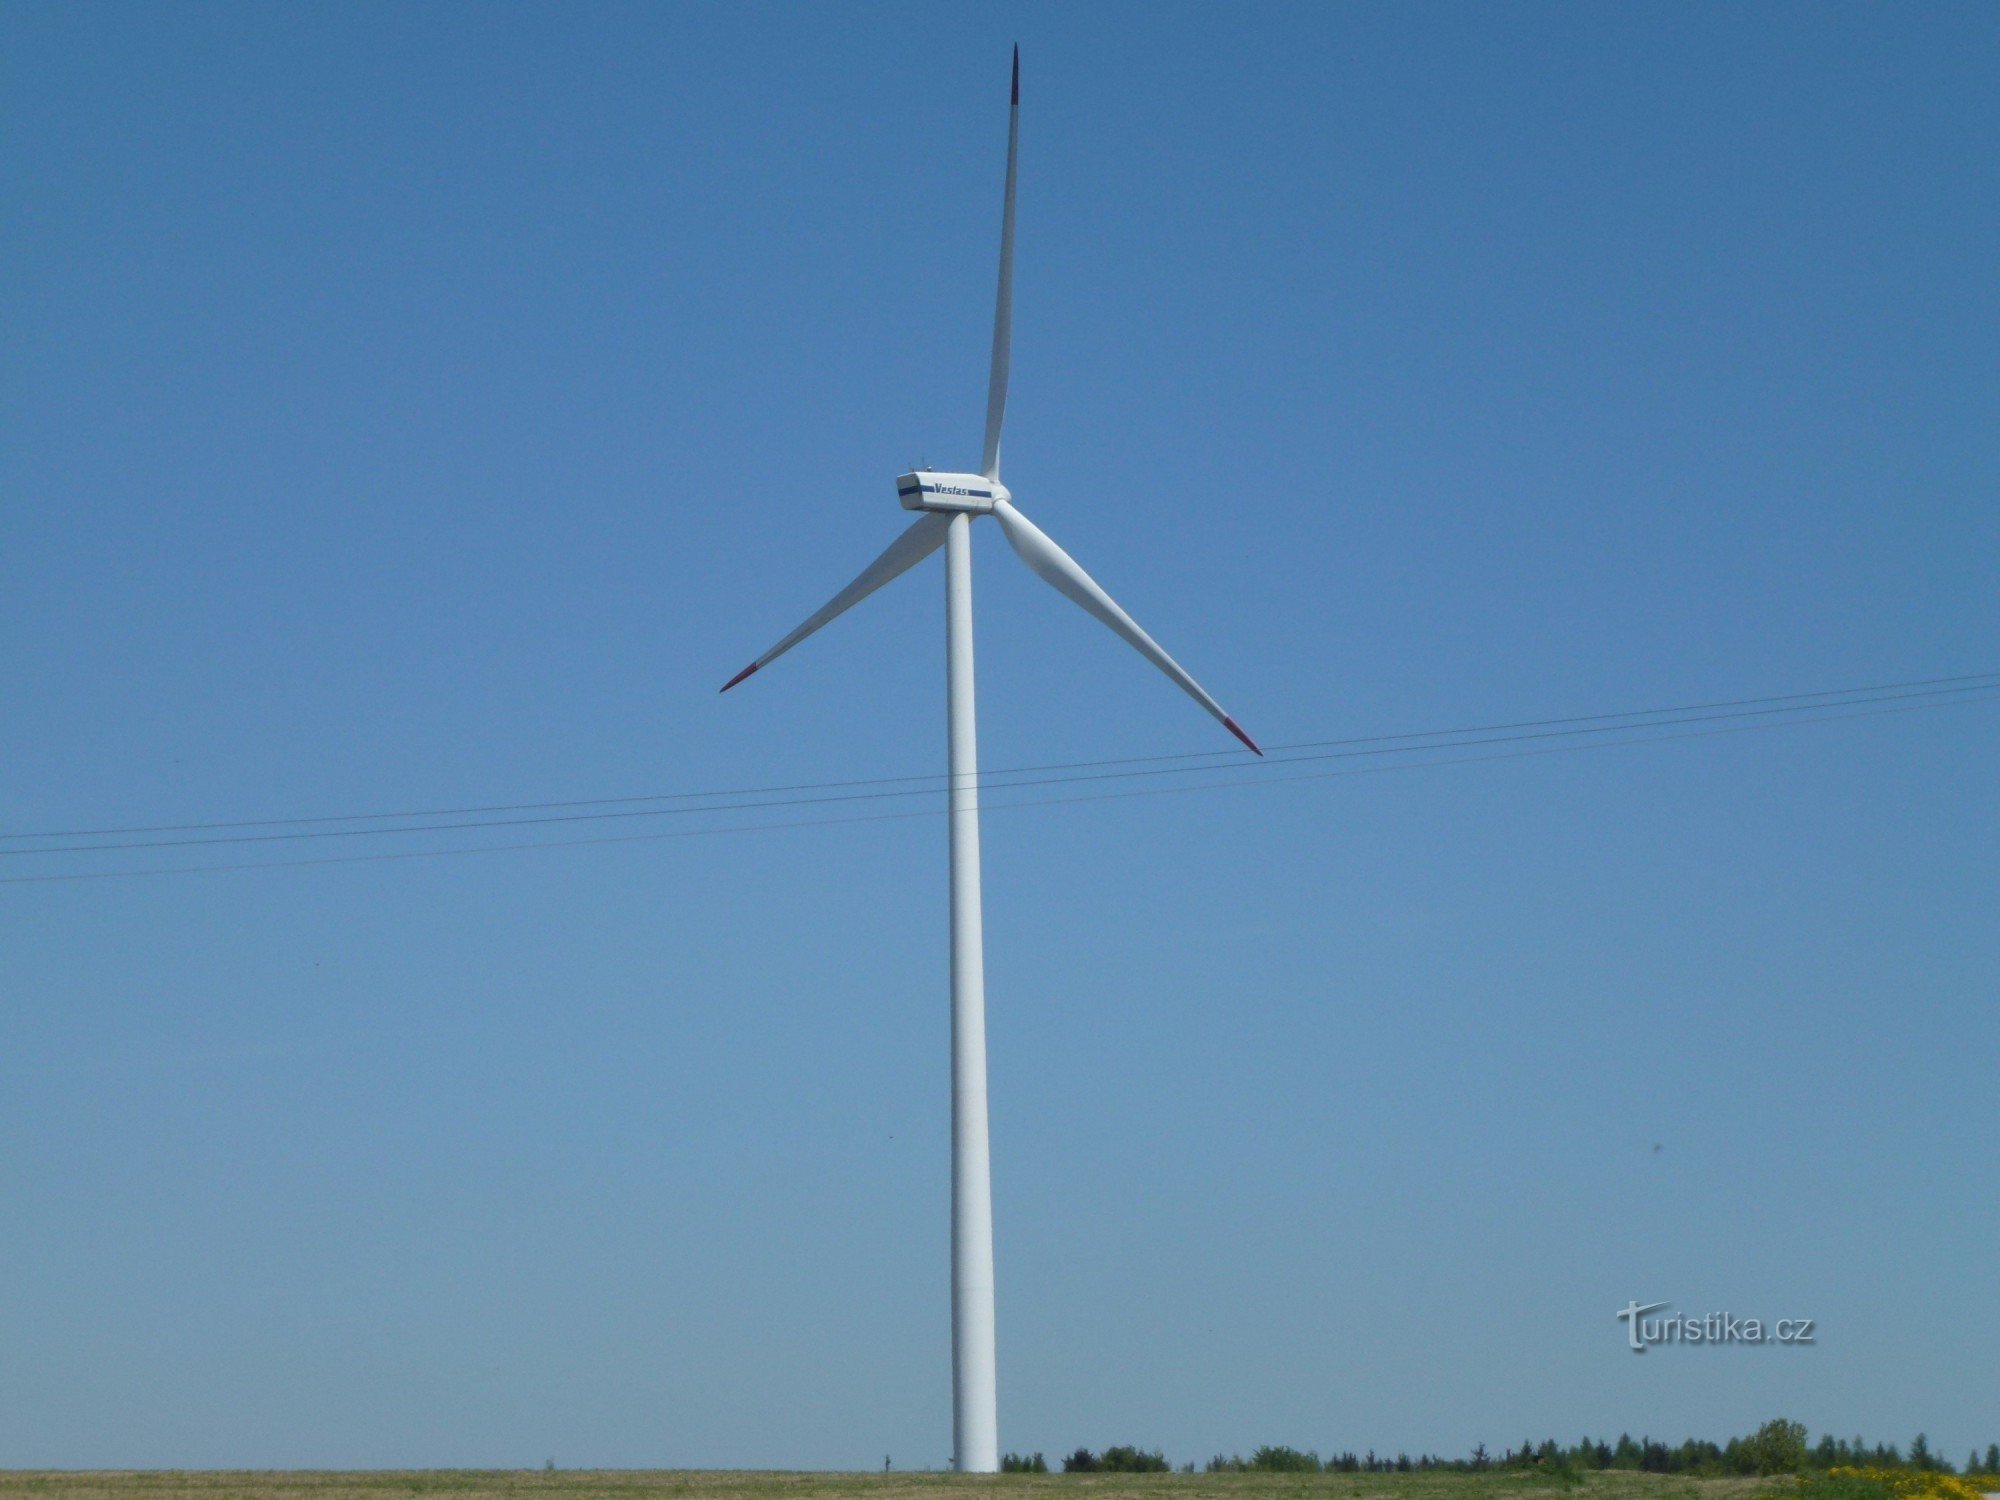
(1920, 1453)
(1778, 1447)
(1125, 1459)
(1479, 1458)
(1279, 1459)
(1014, 1463)
(1992, 1459)
(1972, 1462)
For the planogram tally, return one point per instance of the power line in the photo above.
(988, 778)
(1354, 748)
(1637, 738)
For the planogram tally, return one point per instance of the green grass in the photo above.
(670, 1484)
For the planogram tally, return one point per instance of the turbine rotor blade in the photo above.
(918, 542)
(1061, 572)
(1003, 303)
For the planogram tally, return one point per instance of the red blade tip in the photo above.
(753, 667)
(1237, 729)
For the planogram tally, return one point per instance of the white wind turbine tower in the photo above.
(948, 503)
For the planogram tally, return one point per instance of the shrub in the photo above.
(1014, 1463)
(1283, 1460)
(1557, 1471)
(1876, 1484)
(1125, 1459)
(1834, 1484)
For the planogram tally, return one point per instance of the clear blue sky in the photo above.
(428, 405)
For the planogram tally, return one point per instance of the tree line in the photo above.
(1778, 1447)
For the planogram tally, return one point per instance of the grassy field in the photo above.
(669, 1484)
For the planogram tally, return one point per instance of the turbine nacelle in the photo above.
(974, 494)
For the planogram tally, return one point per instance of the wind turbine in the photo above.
(949, 503)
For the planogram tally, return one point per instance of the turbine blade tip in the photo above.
(1237, 729)
(1017, 74)
(753, 667)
